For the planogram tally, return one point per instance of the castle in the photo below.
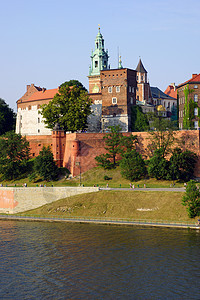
(113, 93)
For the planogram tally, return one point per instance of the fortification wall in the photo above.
(14, 200)
(82, 148)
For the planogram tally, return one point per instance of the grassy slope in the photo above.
(164, 206)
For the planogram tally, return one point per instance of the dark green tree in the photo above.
(69, 108)
(133, 166)
(45, 166)
(74, 83)
(191, 199)
(182, 164)
(14, 156)
(139, 120)
(113, 146)
(158, 166)
(7, 118)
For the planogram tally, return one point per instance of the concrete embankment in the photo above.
(103, 222)
(15, 200)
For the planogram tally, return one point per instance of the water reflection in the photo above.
(62, 261)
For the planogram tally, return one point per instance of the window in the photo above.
(196, 124)
(137, 78)
(114, 100)
(97, 45)
(110, 89)
(132, 89)
(38, 130)
(196, 111)
(117, 89)
(131, 100)
(129, 89)
(142, 78)
(38, 120)
(195, 86)
(195, 98)
(96, 64)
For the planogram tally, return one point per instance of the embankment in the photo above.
(15, 200)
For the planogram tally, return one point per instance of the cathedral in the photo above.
(113, 92)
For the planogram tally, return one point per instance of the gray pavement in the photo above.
(174, 189)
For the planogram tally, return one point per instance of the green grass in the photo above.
(95, 176)
(157, 206)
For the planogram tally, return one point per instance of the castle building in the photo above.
(189, 93)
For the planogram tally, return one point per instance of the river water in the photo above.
(78, 261)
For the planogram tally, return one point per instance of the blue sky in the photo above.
(49, 42)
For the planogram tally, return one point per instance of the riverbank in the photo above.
(126, 222)
(145, 206)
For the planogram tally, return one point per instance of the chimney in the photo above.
(173, 85)
(43, 89)
(194, 75)
(27, 87)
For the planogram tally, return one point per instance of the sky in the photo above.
(48, 42)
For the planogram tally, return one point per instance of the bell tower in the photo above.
(99, 62)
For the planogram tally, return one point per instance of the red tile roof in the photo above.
(195, 78)
(43, 95)
(170, 91)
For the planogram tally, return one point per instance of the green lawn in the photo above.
(157, 206)
(95, 176)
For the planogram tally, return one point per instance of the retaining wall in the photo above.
(14, 200)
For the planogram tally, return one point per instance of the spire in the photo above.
(120, 63)
(140, 68)
(99, 56)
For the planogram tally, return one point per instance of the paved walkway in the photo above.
(145, 189)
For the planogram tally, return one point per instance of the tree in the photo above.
(69, 108)
(158, 166)
(14, 156)
(74, 83)
(45, 166)
(182, 164)
(7, 117)
(163, 135)
(191, 199)
(113, 146)
(139, 121)
(133, 166)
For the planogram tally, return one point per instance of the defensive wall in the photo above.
(77, 151)
(15, 200)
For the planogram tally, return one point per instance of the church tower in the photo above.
(143, 88)
(99, 62)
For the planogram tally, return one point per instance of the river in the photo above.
(83, 261)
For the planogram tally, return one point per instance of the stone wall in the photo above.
(15, 200)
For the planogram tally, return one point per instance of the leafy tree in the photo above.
(188, 109)
(139, 120)
(163, 135)
(191, 199)
(158, 166)
(74, 83)
(14, 156)
(45, 166)
(69, 108)
(133, 166)
(182, 164)
(7, 117)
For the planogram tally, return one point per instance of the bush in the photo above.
(107, 177)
